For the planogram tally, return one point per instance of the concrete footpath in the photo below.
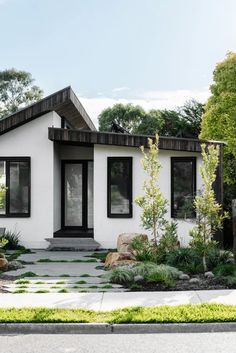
(110, 301)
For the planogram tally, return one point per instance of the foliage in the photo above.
(185, 259)
(225, 270)
(121, 275)
(168, 242)
(182, 122)
(160, 314)
(208, 210)
(219, 119)
(153, 203)
(3, 242)
(144, 250)
(16, 91)
(216, 257)
(13, 240)
(149, 271)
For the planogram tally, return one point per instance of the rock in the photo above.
(138, 278)
(194, 281)
(114, 257)
(125, 239)
(184, 276)
(14, 265)
(3, 264)
(126, 263)
(209, 274)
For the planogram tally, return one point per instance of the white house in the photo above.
(75, 186)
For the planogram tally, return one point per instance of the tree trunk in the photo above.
(234, 228)
(204, 262)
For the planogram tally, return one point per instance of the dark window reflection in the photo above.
(183, 187)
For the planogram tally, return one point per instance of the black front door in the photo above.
(77, 194)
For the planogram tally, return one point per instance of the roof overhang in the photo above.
(78, 137)
(64, 102)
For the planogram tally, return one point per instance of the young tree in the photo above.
(208, 210)
(153, 203)
(16, 90)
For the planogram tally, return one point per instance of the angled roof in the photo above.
(64, 102)
(78, 137)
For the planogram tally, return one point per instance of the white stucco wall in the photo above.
(107, 229)
(31, 140)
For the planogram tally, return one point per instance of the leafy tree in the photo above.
(16, 91)
(191, 115)
(183, 122)
(128, 116)
(153, 203)
(208, 210)
(219, 119)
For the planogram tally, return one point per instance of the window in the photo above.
(183, 186)
(15, 177)
(119, 187)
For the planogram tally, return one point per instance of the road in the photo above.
(118, 343)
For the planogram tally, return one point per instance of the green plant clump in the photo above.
(190, 313)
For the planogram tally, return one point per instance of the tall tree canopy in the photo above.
(183, 122)
(219, 119)
(16, 91)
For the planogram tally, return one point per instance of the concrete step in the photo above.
(72, 244)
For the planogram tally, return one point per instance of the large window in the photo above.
(119, 187)
(183, 186)
(15, 187)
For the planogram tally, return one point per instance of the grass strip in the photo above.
(191, 313)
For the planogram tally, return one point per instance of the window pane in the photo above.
(73, 194)
(2, 187)
(120, 184)
(183, 188)
(19, 187)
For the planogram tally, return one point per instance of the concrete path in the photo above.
(61, 272)
(110, 301)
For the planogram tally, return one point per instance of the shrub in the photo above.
(144, 269)
(168, 242)
(225, 270)
(216, 257)
(122, 275)
(144, 249)
(13, 240)
(182, 258)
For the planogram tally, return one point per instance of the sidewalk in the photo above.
(110, 301)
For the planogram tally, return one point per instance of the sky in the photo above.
(155, 53)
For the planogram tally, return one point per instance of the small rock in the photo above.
(184, 276)
(138, 278)
(194, 281)
(209, 274)
(14, 265)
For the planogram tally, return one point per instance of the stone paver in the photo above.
(68, 272)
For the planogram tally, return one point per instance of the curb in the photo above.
(67, 328)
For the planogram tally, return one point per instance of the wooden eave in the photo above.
(64, 102)
(79, 137)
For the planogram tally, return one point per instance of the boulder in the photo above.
(113, 258)
(184, 276)
(209, 274)
(125, 239)
(3, 264)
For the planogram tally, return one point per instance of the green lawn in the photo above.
(162, 314)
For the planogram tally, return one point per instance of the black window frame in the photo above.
(194, 181)
(130, 187)
(8, 214)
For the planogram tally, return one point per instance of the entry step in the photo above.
(72, 244)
